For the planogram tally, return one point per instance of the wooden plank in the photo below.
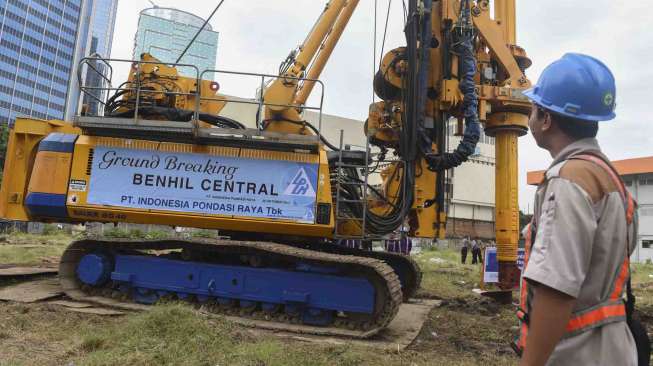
(96, 311)
(71, 304)
(32, 291)
(27, 271)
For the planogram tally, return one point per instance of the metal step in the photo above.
(347, 159)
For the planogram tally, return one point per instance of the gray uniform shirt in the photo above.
(578, 249)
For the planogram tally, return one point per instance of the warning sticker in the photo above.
(77, 185)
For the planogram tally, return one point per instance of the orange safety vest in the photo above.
(610, 310)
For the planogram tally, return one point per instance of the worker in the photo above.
(399, 243)
(481, 250)
(351, 243)
(577, 245)
(464, 249)
(476, 251)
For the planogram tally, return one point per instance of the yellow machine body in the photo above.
(157, 79)
(69, 174)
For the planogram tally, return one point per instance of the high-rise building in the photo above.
(165, 33)
(39, 43)
(96, 35)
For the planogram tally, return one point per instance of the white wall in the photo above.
(473, 181)
(471, 212)
(641, 187)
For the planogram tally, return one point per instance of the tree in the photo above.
(524, 219)
(4, 138)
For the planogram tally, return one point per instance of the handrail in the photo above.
(136, 87)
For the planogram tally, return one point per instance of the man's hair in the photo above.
(573, 127)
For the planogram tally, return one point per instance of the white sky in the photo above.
(256, 36)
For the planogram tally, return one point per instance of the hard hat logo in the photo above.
(608, 99)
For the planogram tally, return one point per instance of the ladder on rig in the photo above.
(342, 182)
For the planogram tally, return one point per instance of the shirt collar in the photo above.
(581, 146)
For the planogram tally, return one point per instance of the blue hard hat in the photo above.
(577, 86)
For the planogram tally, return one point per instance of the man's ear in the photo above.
(547, 122)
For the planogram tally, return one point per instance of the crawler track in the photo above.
(386, 284)
(408, 270)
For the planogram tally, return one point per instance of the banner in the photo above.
(491, 264)
(201, 183)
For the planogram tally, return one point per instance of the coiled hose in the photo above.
(472, 133)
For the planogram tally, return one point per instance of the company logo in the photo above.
(300, 185)
(608, 99)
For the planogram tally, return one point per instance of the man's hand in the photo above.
(548, 319)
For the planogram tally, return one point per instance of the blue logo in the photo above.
(300, 185)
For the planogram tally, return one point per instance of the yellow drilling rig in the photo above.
(282, 196)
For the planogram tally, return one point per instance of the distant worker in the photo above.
(464, 249)
(577, 245)
(476, 251)
(481, 250)
(398, 243)
(351, 243)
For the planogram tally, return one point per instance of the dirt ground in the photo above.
(464, 330)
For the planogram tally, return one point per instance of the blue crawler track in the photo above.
(314, 292)
(262, 284)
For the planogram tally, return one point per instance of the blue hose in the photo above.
(472, 133)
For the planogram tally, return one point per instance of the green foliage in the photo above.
(445, 276)
(203, 234)
(156, 235)
(50, 229)
(524, 219)
(174, 334)
(30, 249)
(121, 233)
(117, 232)
(4, 139)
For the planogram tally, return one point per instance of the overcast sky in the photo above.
(256, 36)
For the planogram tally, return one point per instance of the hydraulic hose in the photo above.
(472, 133)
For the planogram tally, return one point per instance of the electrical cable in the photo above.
(180, 115)
(385, 32)
(381, 224)
(310, 126)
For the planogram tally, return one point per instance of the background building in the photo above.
(97, 22)
(39, 43)
(637, 174)
(470, 190)
(165, 32)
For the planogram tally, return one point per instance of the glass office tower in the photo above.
(96, 36)
(39, 43)
(165, 32)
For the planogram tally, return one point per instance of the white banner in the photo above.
(202, 183)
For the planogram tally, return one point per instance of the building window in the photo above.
(647, 244)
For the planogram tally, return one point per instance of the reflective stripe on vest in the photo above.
(608, 311)
(522, 315)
